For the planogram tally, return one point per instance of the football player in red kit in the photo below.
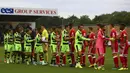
(83, 58)
(91, 48)
(114, 46)
(72, 49)
(123, 47)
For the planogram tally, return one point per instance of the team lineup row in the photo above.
(64, 45)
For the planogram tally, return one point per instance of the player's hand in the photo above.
(34, 39)
(112, 39)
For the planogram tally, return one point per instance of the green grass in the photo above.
(22, 68)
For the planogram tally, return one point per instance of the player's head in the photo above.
(70, 25)
(67, 27)
(29, 31)
(37, 30)
(90, 29)
(20, 28)
(53, 29)
(10, 31)
(80, 27)
(111, 26)
(42, 27)
(98, 26)
(122, 26)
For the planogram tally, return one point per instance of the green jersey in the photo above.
(38, 40)
(17, 38)
(52, 38)
(65, 34)
(27, 40)
(10, 38)
(5, 39)
(79, 38)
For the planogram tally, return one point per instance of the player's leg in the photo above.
(90, 56)
(78, 55)
(126, 57)
(12, 52)
(35, 55)
(27, 54)
(53, 52)
(98, 60)
(115, 56)
(93, 54)
(122, 57)
(72, 54)
(62, 55)
(8, 53)
(68, 54)
(5, 52)
(46, 52)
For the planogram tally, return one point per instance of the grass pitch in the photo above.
(22, 68)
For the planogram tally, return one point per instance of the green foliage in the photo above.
(115, 18)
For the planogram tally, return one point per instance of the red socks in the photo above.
(125, 62)
(84, 59)
(122, 60)
(57, 60)
(73, 58)
(64, 59)
(116, 61)
(90, 59)
(94, 59)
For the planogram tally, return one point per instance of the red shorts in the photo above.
(72, 49)
(100, 51)
(91, 50)
(114, 48)
(84, 48)
(124, 50)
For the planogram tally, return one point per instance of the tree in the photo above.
(85, 20)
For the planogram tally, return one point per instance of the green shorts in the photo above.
(28, 49)
(65, 48)
(78, 47)
(10, 47)
(53, 48)
(17, 47)
(5, 46)
(38, 49)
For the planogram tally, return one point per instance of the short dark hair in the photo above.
(53, 28)
(80, 25)
(66, 26)
(90, 28)
(71, 25)
(28, 29)
(112, 25)
(123, 25)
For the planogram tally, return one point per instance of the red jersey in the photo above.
(113, 34)
(72, 33)
(114, 44)
(122, 35)
(91, 36)
(84, 33)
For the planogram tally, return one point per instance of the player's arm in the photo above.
(113, 37)
(83, 38)
(125, 38)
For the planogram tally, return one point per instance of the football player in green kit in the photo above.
(54, 48)
(65, 50)
(17, 45)
(38, 48)
(10, 40)
(27, 45)
(79, 44)
(5, 46)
